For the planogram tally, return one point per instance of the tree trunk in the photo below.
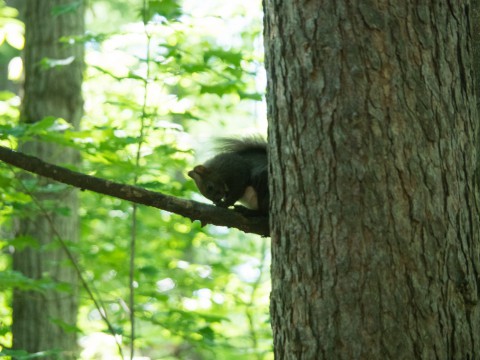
(7, 53)
(375, 215)
(41, 320)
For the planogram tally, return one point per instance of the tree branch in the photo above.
(206, 214)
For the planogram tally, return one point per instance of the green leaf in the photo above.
(219, 89)
(169, 9)
(250, 96)
(6, 95)
(11, 279)
(132, 75)
(194, 68)
(68, 328)
(17, 131)
(24, 241)
(229, 57)
(48, 63)
(207, 333)
(15, 354)
(4, 329)
(149, 270)
(46, 125)
(41, 126)
(8, 12)
(86, 38)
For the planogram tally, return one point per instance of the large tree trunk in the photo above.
(375, 214)
(39, 319)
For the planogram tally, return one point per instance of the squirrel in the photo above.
(239, 172)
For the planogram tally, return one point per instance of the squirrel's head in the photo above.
(209, 184)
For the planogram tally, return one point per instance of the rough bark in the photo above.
(40, 320)
(374, 215)
(475, 19)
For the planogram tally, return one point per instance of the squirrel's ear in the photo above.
(200, 169)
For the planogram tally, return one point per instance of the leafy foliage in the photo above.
(200, 293)
(168, 9)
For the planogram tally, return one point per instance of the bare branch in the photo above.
(206, 214)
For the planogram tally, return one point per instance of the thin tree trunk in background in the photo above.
(373, 150)
(40, 320)
(5, 58)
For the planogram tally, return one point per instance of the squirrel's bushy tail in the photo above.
(248, 143)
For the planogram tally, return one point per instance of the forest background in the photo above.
(169, 77)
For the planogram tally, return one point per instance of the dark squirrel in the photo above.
(239, 172)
